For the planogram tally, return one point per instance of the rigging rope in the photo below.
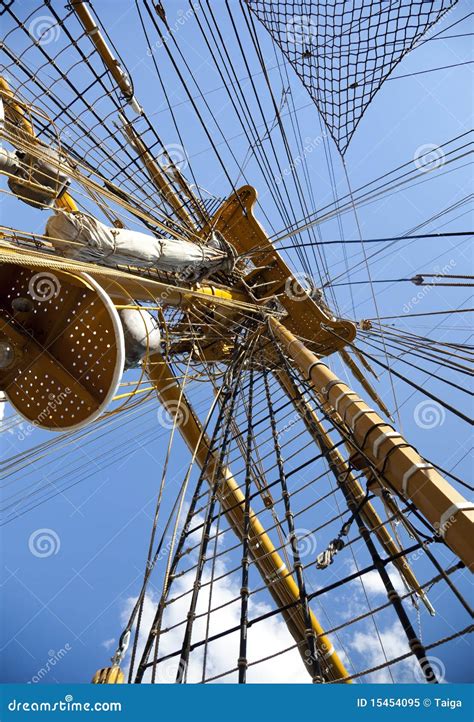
(343, 52)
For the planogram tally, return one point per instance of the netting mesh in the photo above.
(343, 50)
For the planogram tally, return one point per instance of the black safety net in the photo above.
(343, 50)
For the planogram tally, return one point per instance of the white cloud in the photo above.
(265, 638)
(374, 585)
(394, 643)
(108, 643)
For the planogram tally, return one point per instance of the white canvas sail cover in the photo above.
(83, 237)
(142, 335)
(36, 179)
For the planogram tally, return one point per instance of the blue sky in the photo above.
(76, 598)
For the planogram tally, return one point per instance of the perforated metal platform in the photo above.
(68, 346)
